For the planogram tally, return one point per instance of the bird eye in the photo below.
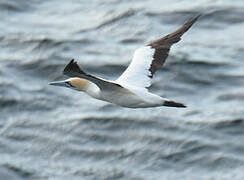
(68, 84)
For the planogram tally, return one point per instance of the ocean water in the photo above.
(58, 134)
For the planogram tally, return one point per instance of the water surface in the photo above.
(56, 133)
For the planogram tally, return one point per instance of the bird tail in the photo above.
(170, 103)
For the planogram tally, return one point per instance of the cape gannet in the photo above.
(130, 89)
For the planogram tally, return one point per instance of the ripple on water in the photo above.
(56, 133)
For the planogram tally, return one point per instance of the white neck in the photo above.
(93, 90)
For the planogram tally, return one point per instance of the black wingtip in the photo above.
(190, 22)
(72, 68)
(193, 20)
(174, 104)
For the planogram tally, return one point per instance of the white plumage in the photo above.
(130, 89)
(137, 73)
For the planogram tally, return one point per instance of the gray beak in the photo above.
(58, 83)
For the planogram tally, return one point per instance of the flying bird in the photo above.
(130, 89)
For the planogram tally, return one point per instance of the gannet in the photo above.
(130, 89)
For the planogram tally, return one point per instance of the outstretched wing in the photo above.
(73, 70)
(147, 60)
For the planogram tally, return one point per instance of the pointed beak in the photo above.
(58, 83)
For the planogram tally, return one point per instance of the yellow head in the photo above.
(78, 84)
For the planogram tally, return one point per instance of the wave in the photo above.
(10, 171)
(111, 20)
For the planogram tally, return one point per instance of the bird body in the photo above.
(128, 96)
(132, 97)
(130, 89)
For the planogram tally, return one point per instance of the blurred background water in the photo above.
(58, 134)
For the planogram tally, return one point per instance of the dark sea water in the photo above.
(50, 133)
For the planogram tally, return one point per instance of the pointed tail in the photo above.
(170, 103)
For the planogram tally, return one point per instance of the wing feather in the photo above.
(137, 73)
(73, 70)
(147, 60)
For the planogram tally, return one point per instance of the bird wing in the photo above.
(73, 70)
(147, 60)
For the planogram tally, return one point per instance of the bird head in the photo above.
(78, 84)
